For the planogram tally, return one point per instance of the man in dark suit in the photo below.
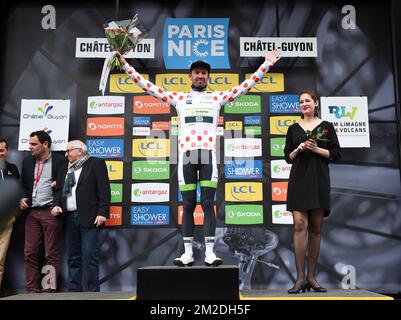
(86, 200)
(38, 177)
(7, 171)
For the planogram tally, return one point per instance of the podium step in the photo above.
(188, 283)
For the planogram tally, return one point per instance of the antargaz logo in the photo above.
(190, 39)
(230, 147)
(136, 192)
(280, 169)
(106, 105)
(277, 214)
(280, 214)
(150, 192)
(243, 147)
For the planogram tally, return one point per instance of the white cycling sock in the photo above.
(188, 246)
(209, 244)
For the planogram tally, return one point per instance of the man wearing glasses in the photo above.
(86, 199)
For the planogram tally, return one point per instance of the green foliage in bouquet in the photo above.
(321, 135)
(123, 36)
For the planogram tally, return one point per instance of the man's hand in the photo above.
(56, 211)
(23, 204)
(120, 57)
(99, 221)
(273, 56)
(54, 184)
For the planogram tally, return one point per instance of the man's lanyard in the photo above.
(38, 174)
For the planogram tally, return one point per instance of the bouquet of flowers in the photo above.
(321, 135)
(122, 36)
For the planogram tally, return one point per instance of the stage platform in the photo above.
(334, 294)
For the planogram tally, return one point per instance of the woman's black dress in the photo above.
(309, 182)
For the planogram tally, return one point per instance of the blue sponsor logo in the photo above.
(198, 195)
(141, 121)
(149, 215)
(105, 148)
(284, 103)
(187, 40)
(253, 120)
(243, 169)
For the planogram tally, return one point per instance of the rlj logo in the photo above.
(341, 112)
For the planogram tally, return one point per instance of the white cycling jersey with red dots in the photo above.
(197, 111)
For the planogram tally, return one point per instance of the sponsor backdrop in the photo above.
(50, 115)
(56, 79)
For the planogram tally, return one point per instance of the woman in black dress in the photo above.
(310, 145)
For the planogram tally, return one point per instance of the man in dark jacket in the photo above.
(86, 201)
(38, 176)
(7, 171)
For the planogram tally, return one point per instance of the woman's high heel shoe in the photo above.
(295, 290)
(316, 288)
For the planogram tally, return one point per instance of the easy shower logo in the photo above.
(284, 103)
(188, 40)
